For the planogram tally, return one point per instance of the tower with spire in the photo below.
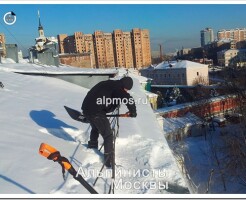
(41, 40)
(40, 27)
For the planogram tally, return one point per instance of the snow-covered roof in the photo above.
(32, 113)
(232, 50)
(134, 74)
(45, 69)
(171, 125)
(178, 64)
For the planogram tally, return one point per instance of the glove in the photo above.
(128, 114)
(133, 114)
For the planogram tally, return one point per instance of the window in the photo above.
(197, 73)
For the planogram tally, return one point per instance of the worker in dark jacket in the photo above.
(104, 98)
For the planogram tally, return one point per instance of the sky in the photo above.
(172, 25)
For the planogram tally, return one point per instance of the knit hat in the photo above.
(127, 82)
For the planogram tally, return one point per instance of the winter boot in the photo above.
(108, 160)
(92, 144)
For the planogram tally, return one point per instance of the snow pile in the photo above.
(178, 64)
(23, 61)
(171, 125)
(32, 113)
(39, 68)
(7, 60)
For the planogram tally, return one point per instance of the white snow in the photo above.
(179, 64)
(171, 125)
(32, 112)
(36, 68)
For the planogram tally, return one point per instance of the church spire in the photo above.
(40, 27)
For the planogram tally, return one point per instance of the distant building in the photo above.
(12, 52)
(141, 48)
(207, 36)
(232, 57)
(183, 52)
(238, 34)
(45, 49)
(117, 49)
(2, 45)
(176, 73)
(61, 38)
(104, 50)
(123, 48)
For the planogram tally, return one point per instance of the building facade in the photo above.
(176, 73)
(232, 57)
(141, 47)
(82, 60)
(207, 36)
(237, 35)
(2, 45)
(109, 51)
(117, 49)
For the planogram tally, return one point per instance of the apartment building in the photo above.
(127, 43)
(117, 49)
(109, 50)
(146, 51)
(232, 57)
(89, 48)
(238, 34)
(137, 48)
(79, 42)
(100, 51)
(123, 48)
(69, 44)
(207, 36)
(61, 38)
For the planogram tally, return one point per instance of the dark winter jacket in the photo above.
(98, 98)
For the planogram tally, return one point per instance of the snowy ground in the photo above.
(32, 112)
(197, 157)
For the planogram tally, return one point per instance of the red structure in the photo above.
(202, 108)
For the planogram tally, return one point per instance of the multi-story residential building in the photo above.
(79, 42)
(238, 34)
(176, 73)
(146, 51)
(120, 49)
(123, 48)
(69, 44)
(127, 42)
(137, 48)
(100, 51)
(207, 36)
(109, 50)
(89, 48)
(2, 45)
(232, 57)
(61, 44)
